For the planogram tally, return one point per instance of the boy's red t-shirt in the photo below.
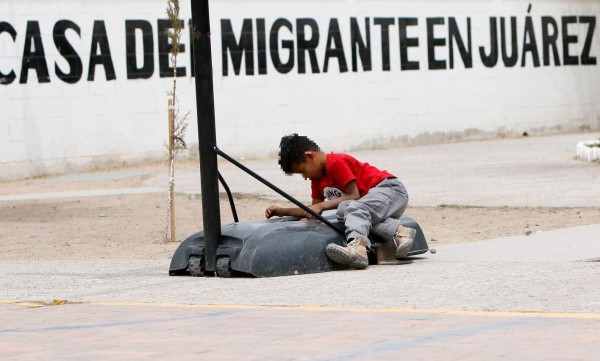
(341, 169)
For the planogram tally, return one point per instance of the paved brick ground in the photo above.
(186, 332)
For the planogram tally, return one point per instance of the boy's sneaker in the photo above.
(354, 255)
(404, 238)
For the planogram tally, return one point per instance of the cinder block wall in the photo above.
(84, 84)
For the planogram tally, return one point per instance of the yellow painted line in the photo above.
(37, 303)
(315, 308)
(22, 303)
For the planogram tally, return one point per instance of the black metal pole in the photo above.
(207, 138)
(230, 197)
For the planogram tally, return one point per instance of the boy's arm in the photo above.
(276, 211)
(318, 205)
(352, 194)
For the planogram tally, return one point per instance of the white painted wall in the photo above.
(59, 127)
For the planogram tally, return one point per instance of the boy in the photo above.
(368, 199)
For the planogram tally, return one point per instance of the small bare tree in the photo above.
(177, 123)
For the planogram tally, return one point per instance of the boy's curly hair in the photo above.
(292, 148)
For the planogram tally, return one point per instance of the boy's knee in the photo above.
(399, 212)
(356, 207)
(341, 209)
(346, 207)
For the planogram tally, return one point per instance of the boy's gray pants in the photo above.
(377, 211)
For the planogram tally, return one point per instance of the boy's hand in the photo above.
(272, 211)
(317, 208)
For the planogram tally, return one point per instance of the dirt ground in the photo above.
(133, 226)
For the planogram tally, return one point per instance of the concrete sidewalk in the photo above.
(556, 271)
(535, 297)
